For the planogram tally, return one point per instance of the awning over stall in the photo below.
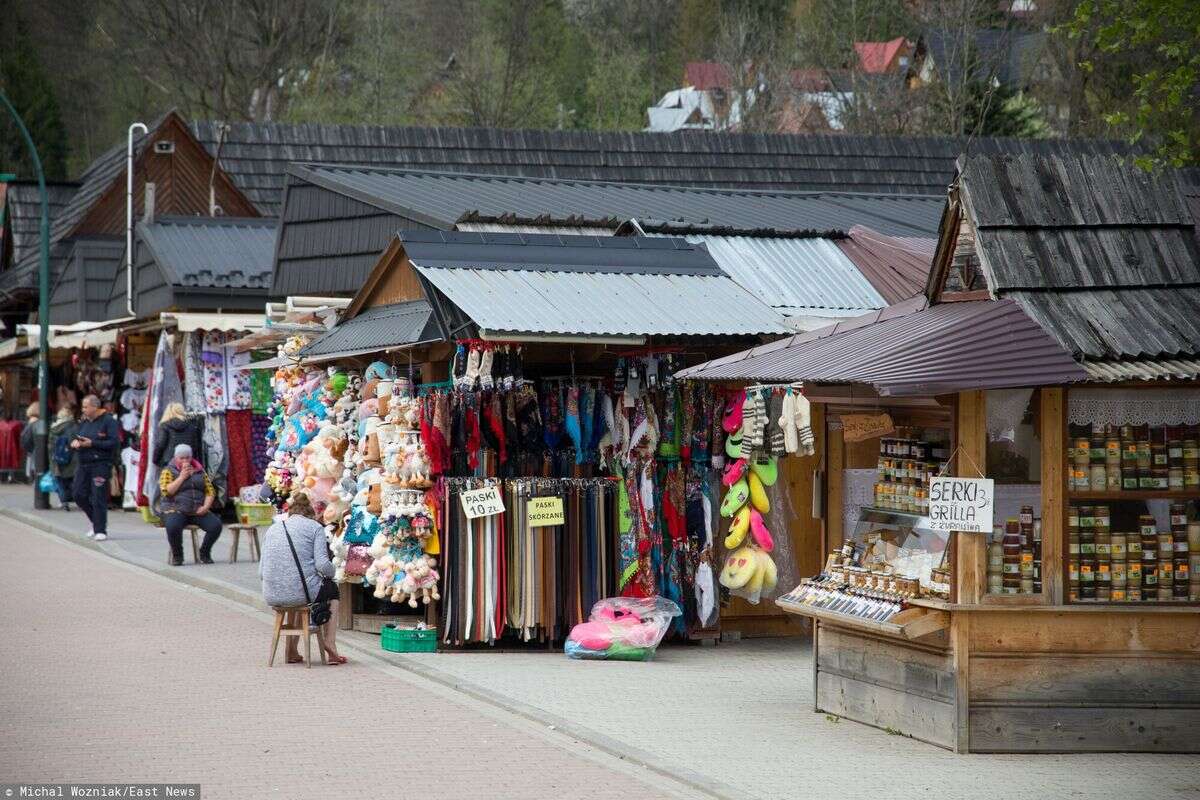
(911, 349)
(393, 325)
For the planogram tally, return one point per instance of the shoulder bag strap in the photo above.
(296, 558)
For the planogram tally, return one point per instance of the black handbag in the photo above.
(319, 612)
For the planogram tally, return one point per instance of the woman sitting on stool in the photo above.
(187, 498)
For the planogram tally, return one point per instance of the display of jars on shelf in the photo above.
(1150, 563)
(1014, 556)
(905, 467)
(1109, 458)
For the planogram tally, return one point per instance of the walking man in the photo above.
(96, 443)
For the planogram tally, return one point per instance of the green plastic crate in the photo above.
(408, 640)
(260, 514)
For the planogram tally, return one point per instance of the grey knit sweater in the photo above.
(281, 584)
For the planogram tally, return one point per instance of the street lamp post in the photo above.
(40, 456)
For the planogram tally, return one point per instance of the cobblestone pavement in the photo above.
(114, 674)
(735, 719)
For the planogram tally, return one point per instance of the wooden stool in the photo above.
(194, 530)
(293, 621)
(251, 532)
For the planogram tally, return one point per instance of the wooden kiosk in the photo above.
(983, 672)
(1061, 312)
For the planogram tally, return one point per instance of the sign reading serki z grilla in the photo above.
(544, 511)
(961, 504)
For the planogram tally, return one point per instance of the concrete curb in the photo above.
(606, 744)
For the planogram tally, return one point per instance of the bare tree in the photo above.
(749, 50)
(232, 59)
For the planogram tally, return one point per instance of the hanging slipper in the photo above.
(738, 527)
(758, 529)
(733, 444)
(770, 572)
(732, 418)
(737, 496)
(766, 468)
(758, 494)
(734, 472)
(740, 567)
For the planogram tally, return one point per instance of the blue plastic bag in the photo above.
(47, 484)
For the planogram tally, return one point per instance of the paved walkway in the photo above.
(735, 719)
(114, 674)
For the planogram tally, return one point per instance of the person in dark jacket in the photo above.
(176, 428)
(65, 427)
(95, 445)
(187, 498)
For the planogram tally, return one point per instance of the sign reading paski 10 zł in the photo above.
(485, 502)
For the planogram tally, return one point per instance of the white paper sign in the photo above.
(961, 504)
(485, 502)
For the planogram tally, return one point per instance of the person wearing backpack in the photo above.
(62, 457)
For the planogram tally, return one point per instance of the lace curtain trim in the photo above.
(1005, 409)
(1134, 406)
(858, 490)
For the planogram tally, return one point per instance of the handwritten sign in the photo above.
(860, 427)
(961, 504)
(485, 502)
(544, 511)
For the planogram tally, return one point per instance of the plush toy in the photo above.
(417, 579)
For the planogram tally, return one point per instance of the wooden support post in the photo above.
(971, 548)
(835, 460)
(1053, 434)
(960, 636)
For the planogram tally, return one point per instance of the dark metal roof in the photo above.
(910, 349)
(540, 252)
(583, 286)
(256, 156)
(897, 267)
(212, 252)
(441, 199)
(379, 328)
(23, 212)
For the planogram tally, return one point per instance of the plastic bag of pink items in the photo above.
(622, 629)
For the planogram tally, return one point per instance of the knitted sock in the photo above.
(776, 443)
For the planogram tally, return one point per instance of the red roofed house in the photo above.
(880, 58)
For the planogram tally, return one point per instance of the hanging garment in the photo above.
(803, 423)
(260, 450)
(215, 385)
(776, 443)
(241, 466)
(787, 422)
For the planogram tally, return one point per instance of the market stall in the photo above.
(578, 405)
(1011, 537)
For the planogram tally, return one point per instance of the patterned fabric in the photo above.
(260, 449)
(237, 379)
(261, 391)
(239, 436)
(213, 358)
(193, 373)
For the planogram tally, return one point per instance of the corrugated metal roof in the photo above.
(604, 304)
(898, 268)
(912, 350)
(442, 199)
(586, 285)
(1119, 324)
(793, 276)
(212, 252)
(379, 328)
